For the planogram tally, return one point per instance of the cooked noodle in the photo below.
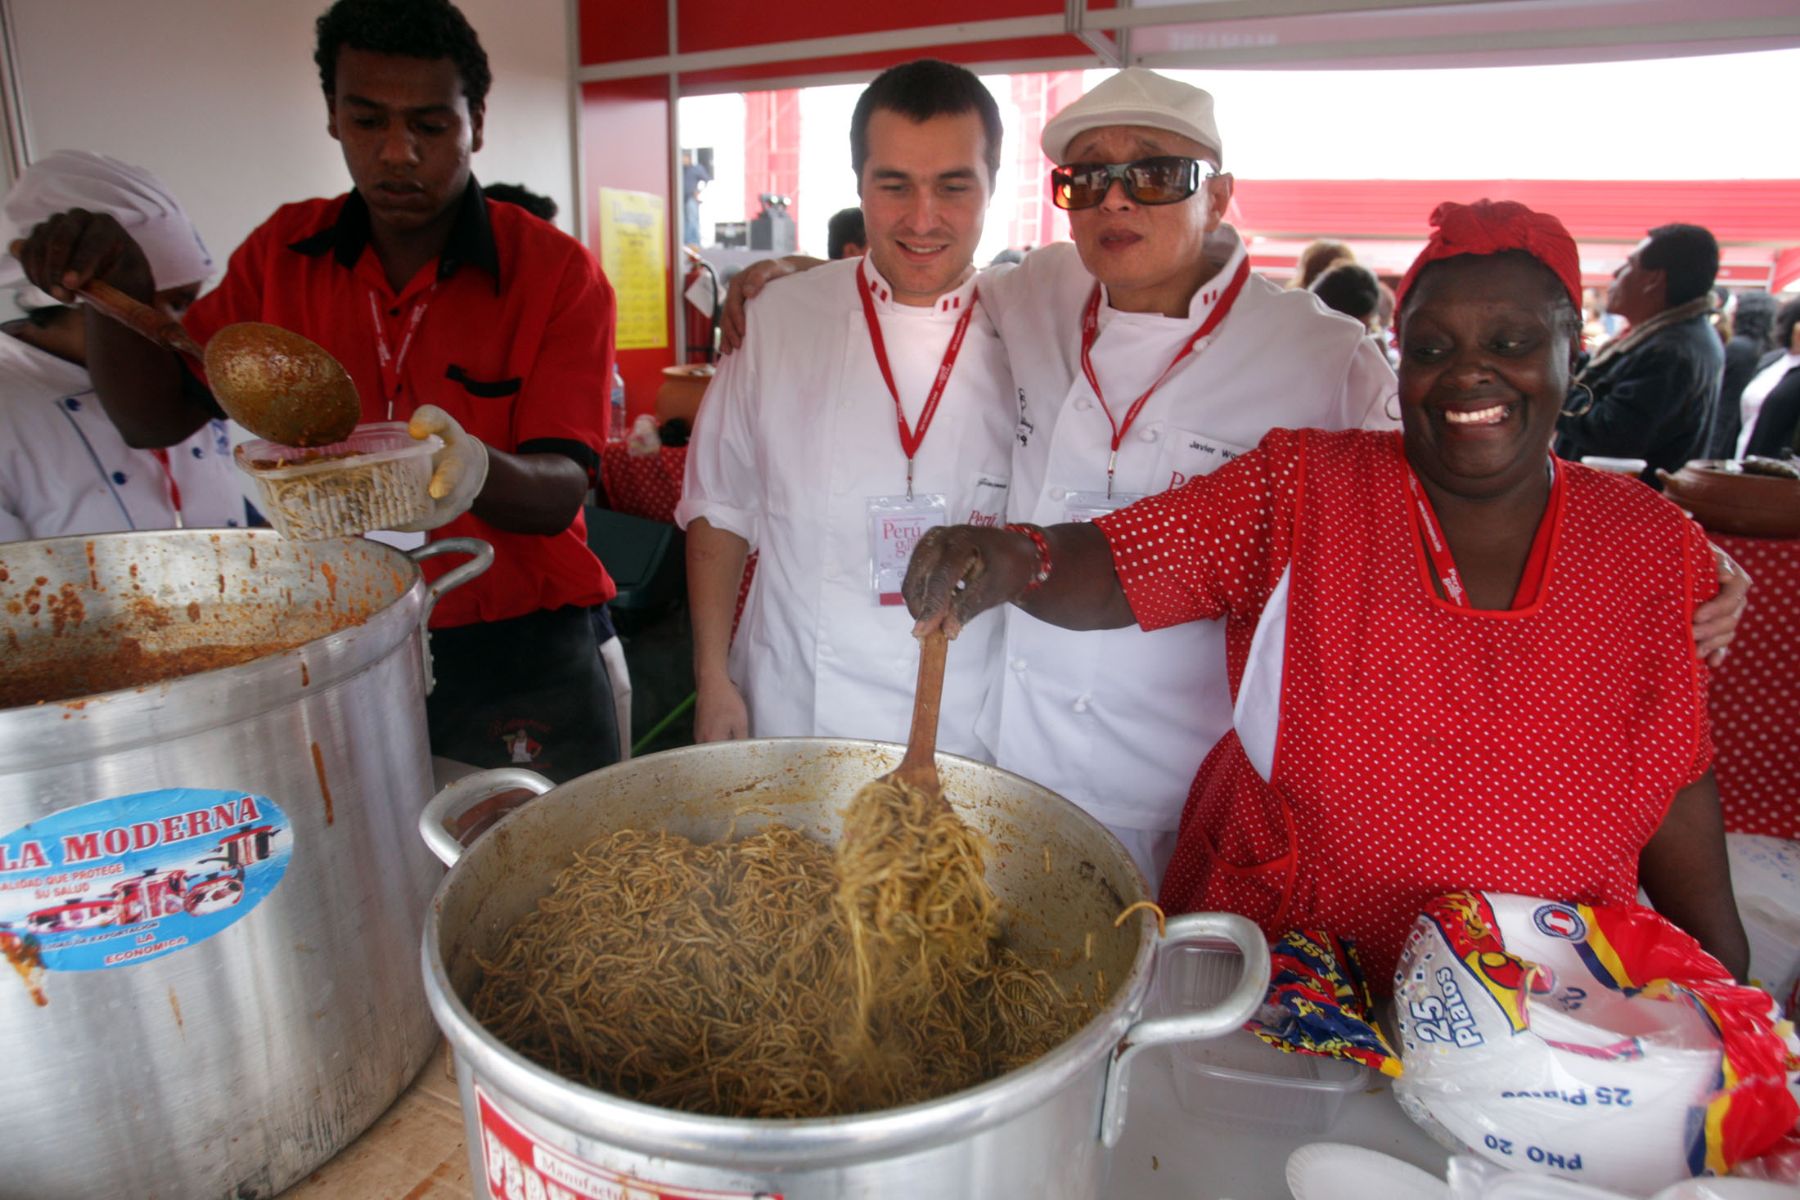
(772, 976)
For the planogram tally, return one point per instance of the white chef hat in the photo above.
(139, 200)
(1136, 96)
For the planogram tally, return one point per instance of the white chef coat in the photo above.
(65, 470)
(795, 434)
(1119, 720)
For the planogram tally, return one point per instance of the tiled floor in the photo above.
(414, 1152)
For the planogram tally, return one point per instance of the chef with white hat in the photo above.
(1144, 354)
(64, 468)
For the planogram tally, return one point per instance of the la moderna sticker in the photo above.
(129, 879)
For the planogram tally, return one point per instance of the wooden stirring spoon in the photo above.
(278, 385)
(919, 768)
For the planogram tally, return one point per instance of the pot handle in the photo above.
(459, 797)
(481, 558)
(1224, 1017)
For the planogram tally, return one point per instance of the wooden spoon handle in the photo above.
(139, 317)
(921, 742)
(134, 314)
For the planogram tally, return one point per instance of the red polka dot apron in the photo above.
(1425, 747)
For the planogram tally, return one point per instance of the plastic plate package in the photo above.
(1598, 1043)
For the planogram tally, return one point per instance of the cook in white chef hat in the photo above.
(1137, 96)
(137, 199)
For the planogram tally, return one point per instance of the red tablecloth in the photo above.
(1755, 699)
(646, 485)
(649, 485)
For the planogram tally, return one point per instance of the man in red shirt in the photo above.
(470, 319)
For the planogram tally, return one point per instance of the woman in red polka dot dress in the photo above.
(1456, 662)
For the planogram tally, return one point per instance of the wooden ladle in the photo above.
(919, 768)
(278, 385)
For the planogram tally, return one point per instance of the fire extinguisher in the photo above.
(702, 323)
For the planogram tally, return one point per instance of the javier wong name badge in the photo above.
(896, 523)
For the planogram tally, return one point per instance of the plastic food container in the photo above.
(1239, 1080)
(375, 479)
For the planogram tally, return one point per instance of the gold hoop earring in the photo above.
(1392, 416)
(1583, 410)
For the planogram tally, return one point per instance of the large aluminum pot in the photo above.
(1044, 1130)
(218, 872)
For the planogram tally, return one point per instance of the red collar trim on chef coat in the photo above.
(1206, 299)
(951, 302)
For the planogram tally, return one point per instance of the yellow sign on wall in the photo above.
(633, 254)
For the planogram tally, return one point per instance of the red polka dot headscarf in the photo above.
(1492, 227)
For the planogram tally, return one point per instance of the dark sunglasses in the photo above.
(1167, 179)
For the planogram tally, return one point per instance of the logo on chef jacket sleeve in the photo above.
(131, 878)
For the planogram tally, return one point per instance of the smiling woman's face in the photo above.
(1486, 350)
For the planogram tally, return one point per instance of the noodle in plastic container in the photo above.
(378, 478)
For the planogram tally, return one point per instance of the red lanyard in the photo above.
(1090, 331)
(1437, 549)
(162, 457)
(392, 362)
(911, 439)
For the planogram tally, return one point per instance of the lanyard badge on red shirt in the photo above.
(1443, 564)
(1090, 332)
(394, 361)
(911, 439)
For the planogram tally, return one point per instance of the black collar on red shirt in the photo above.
(471, 238)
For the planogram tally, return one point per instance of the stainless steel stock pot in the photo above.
(210, 885)
(1044, 1130)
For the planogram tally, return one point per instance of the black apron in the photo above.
(530, 692)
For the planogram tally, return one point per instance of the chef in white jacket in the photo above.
(869, 402)
(1146, 353)
(64, 468)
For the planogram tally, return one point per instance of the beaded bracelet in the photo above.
(1036, 534)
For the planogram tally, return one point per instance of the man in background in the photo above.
(1353, 290)
(540, 206)
(844, 236)
(1651, 392)
(695, 175)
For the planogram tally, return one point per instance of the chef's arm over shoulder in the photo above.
(1060, 574)
(146, 392)
(1716, 621)
(1686, 874)
(1371, 393)
(715, 569)
(746, 285)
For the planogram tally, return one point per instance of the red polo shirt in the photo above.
(510, 331)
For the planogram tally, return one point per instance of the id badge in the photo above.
(896, 523)
(1085, 506)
